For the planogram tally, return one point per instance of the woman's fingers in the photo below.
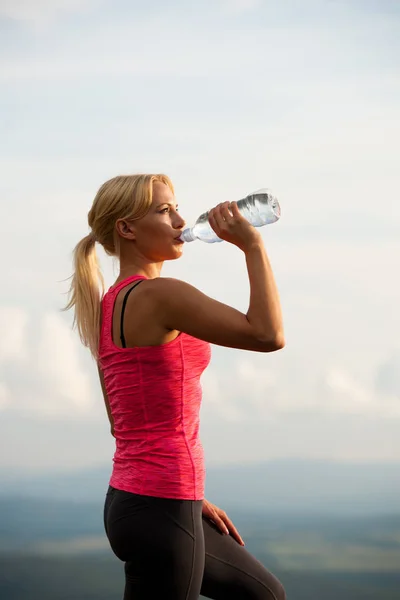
(233, 531)
(219, 522)
(228, 223)
(221, 216)
(215, 219)
(234, 209)
(225, 211)
(226, 526)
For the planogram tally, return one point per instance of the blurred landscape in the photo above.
(335, 536)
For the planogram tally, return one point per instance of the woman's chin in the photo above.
(177, 253)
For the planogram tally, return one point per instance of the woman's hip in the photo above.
(136, 523)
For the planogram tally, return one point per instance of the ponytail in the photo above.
(86, 293)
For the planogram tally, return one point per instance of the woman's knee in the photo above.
(269, 588)
(276, 591)
(279, 591)
(272, 590)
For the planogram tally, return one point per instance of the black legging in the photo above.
(172, 552)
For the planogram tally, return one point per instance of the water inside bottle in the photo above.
(259, 208)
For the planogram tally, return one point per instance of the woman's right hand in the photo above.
(229, 225)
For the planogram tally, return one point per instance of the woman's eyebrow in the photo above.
(169, 204)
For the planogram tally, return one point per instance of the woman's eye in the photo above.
(167, 210)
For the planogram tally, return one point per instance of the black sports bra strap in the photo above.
(123, 311)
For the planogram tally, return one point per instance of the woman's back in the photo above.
(155, 396)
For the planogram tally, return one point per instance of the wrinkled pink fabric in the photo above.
(155, 396)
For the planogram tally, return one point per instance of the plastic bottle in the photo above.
(259, 208)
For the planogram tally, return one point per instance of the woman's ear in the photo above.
(125, 229)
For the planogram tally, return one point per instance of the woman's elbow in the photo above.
(279, 341)
(272, 344)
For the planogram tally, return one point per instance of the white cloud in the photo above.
(240, 6)
(13, 339)
(67, 386)
(5, 396)
(387, 380)
(342, 393)
(44, 376)
(41, 11)
(266, 387)
(151, 44)
(217, 400)
(58, 383)
(249, 399)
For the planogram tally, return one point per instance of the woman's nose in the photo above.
(180, 221)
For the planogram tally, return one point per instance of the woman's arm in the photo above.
(180, 306)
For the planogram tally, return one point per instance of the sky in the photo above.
(226, 97)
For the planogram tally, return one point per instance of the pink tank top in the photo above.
(155, 396)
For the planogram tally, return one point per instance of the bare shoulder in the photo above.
(164, 285)
(181, 306)
(142, 321)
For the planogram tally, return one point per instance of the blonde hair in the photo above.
(123, 197)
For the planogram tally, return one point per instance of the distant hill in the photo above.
(101, 578)
(304, 486)
(53, 545)
(66, 527)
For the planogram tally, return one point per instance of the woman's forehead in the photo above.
(162, 193)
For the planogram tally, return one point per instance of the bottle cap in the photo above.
(187, 235)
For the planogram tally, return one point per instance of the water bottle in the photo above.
(259, 208)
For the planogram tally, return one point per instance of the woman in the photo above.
(151, 338)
